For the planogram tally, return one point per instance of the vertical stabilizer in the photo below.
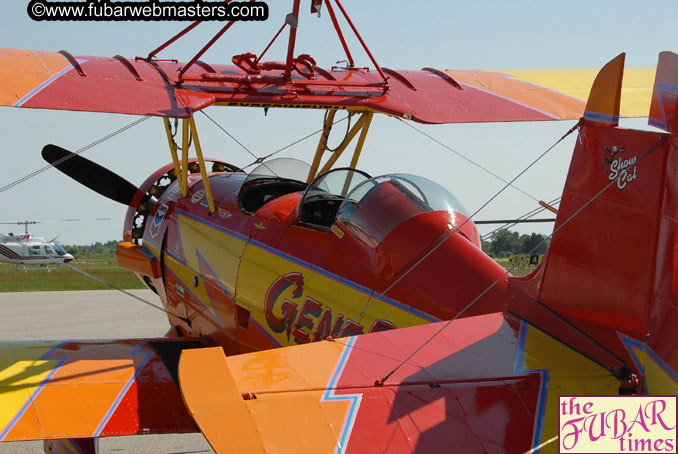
(665, 94)
(602, 107)
(612, 267)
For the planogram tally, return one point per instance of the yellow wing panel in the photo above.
(561, 93)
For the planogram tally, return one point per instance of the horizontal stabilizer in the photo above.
(215, 403)
(328, 396)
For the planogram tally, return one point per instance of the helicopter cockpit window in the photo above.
(271, 180)
(325, 194)
(60, 250)
(34, 250)
(49, 250)
(373, 209)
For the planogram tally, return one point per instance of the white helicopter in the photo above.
(24, 249)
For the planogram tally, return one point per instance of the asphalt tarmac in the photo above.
(91, 315)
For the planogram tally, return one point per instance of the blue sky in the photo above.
(402, 35)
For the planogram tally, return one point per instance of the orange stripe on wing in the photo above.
(524, 93)
(23, 72)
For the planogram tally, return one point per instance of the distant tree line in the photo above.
(97, 250)
(504, 243)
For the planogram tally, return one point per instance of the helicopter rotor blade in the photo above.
(80, 220)
(88, 173)
(513, 221)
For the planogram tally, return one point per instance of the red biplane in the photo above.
(455, 352)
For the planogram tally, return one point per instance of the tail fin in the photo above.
(602, 107)
(664, 108)
(612, 267)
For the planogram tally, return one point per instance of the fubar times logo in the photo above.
(617, 424)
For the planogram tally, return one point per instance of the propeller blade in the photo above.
(97, 178)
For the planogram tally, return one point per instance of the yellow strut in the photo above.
(361, 140)
(352, 133)
(181, 167)
(184, 157)
(201, 163)
(173, 150)
(357, 151)
(322, 145)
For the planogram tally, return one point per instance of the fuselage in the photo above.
(269, 269)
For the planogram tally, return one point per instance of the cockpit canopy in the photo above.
(376, 206)
(370, 207)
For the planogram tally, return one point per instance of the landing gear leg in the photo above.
(72, 446)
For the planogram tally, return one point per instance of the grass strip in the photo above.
(15, 279)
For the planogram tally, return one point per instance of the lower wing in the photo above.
(88, 389)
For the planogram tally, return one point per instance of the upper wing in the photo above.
(53, 80)
(487, 383)
(83, 389)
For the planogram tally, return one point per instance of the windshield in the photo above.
(60, 250)
(271, 180)
(284, 168)
(325, 194)
(377, 206)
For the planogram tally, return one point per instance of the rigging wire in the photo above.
(528, 215)
(447, 147)
(141, 120)
(260, 160)
(491, 286)
(257, 160)
(452, 230)
(229, 135)
(138, 298)
(80, 151)
(538, 447)
(297, 141)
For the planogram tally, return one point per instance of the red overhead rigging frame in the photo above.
(303, 64)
